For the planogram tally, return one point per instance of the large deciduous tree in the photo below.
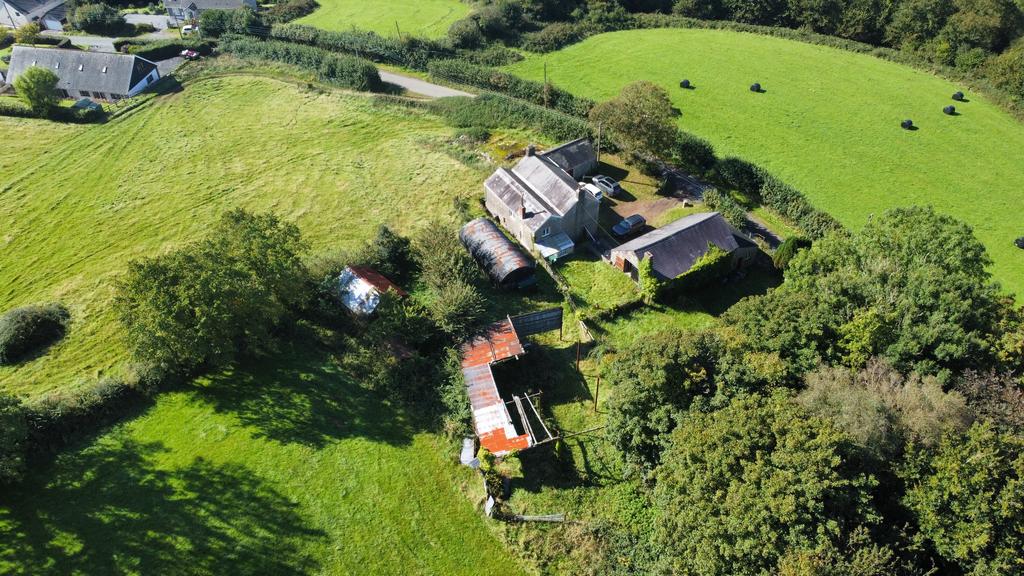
(758, 481)
(641, 118)
(968, 499)
(212, 300)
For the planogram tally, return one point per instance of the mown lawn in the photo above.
(77, 203)
(287, 467)
(429, 18)
(828, 123)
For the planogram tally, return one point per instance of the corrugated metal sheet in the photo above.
(491, 419)
(537, 322)
(501, 258)
(360, 288)
(677, 247)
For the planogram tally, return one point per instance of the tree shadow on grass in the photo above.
(110, 510)
(303, 395)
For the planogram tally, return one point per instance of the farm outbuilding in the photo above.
(577, 158)
(501, 258)
(360, 289)
(675, 248)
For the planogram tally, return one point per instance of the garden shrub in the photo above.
(462, 72)
(216, 23)
(98, 18)
(26, 330)
(714, 265)
(338, 69)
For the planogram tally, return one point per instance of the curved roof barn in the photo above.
(501, 258)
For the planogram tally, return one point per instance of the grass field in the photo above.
(828, 123)
(429, 18)
(77, 203)
(286, 468)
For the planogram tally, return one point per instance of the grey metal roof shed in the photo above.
(501, 258)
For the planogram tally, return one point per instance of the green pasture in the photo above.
(429, 18)
(828, 123)
(78, 202)
(287, 467)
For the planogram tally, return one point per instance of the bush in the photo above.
(694, 153)
(289, 10)
(97, 18)
(337, 69)
(724, 203)
(554, 37)
(788, 249)
(466, 34)
(24, 331)
(13, 434)
(163, 49)
(216, 23)
(741, 175)
(461, 72)
(37, 87)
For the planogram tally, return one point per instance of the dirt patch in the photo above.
(651, 210)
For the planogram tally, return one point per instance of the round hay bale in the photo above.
(685, 84)
(907, 124)
(958, 96)
(755, 87)
(1020, 242)
(949, 110)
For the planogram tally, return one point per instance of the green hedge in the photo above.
(498, 111)
(164, 49)
(409, 51)
(338, 69)
(15, 108)
(59, 418)
(713, 266)
(25, 331)
(462, 72)
(727, 206)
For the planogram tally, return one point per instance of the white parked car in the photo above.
(595, 191)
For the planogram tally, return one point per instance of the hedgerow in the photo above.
(461, 72)
(496, 111)
(338, 69)
(409, 51)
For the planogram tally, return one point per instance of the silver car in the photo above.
(608, 185)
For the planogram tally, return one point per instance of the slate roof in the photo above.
(539, 186)
(572, 154)
(31, 8)
(206, 4)
(677, 247)
(77, 70)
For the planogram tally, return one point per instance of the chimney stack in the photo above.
(531, 150)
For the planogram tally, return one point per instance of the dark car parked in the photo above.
(628, 225)
(608, 185)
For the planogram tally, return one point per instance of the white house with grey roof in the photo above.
(185, 11)
(542, 205)
(675, 248)
(49, 14)
(95, 75)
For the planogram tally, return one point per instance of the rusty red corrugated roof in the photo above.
(377, 280)
(491, 419)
